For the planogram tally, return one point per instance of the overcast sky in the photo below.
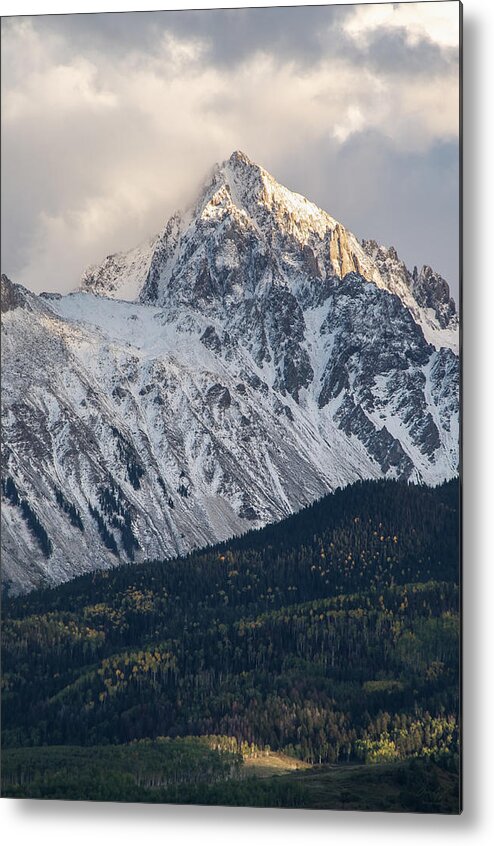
(110, 122)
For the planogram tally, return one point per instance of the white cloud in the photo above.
(437, 21)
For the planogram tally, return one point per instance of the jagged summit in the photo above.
(242, 206)
(239, 157)
(252, 187)
(240, 164)
(240, 185)
(240, 161)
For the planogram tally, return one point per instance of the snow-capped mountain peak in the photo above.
(240, 196)
(251, 357)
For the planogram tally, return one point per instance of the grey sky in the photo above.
(110, 122)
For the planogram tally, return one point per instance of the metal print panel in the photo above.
(230, 475)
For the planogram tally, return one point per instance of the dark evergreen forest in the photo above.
(328, 642)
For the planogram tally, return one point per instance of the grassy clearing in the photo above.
(272, 764)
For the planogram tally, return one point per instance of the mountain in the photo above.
(249, 359)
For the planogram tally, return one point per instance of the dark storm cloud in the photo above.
(391, 52)
(303, 34)
(300, 34)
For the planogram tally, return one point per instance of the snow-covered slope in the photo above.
(121, 274)
(268, 358)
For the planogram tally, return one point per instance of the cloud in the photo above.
(110, 122)
(437, 21)
(231, 34)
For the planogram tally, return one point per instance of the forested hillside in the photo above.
(331, 638)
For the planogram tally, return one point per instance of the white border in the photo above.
(80, 824)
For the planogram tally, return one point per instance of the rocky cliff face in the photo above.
(426, 293)
(267, 357)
